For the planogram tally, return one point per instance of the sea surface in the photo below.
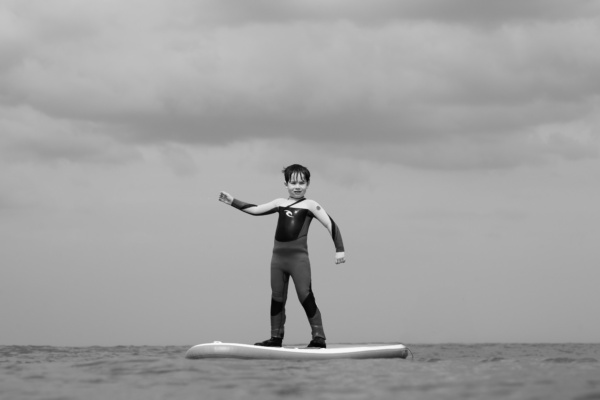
(437, 371)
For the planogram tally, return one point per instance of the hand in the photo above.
(340, 257)
(226, 198)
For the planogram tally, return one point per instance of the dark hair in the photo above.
(296, 169)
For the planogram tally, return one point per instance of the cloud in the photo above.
(407, 76)
(31, 136)
(379, 12)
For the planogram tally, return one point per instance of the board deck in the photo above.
(246, 351)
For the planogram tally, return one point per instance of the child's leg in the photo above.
(302, 282)
(279, 289)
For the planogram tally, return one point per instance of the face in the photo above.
(297, 186)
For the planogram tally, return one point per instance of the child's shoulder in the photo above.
(312, 205)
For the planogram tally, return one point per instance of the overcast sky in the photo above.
(455, 142)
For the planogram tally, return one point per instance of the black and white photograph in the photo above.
(162, 161)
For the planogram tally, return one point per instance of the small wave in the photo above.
(493, 359)
(589, 396)
(569, 360)
(91, 363)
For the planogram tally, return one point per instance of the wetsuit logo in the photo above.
(289, 214)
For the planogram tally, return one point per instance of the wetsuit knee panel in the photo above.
(310, 305)
(276, 307)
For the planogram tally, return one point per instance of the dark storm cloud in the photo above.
(378, 12)
(385, 73)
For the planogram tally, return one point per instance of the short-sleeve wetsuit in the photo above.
(290, 258)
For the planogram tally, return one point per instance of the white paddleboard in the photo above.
(246, 351)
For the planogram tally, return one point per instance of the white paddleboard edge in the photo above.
(246, 351)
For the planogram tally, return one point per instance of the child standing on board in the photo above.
(290, 252)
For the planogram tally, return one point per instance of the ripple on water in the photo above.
(569, 360)
(588, 396)
(493, 359)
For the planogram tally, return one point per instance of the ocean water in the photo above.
(438, 371)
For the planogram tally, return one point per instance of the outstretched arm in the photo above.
(334, 230)
(252, 209)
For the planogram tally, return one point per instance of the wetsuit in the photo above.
(290, 258)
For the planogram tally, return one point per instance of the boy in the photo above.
(290, 252)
